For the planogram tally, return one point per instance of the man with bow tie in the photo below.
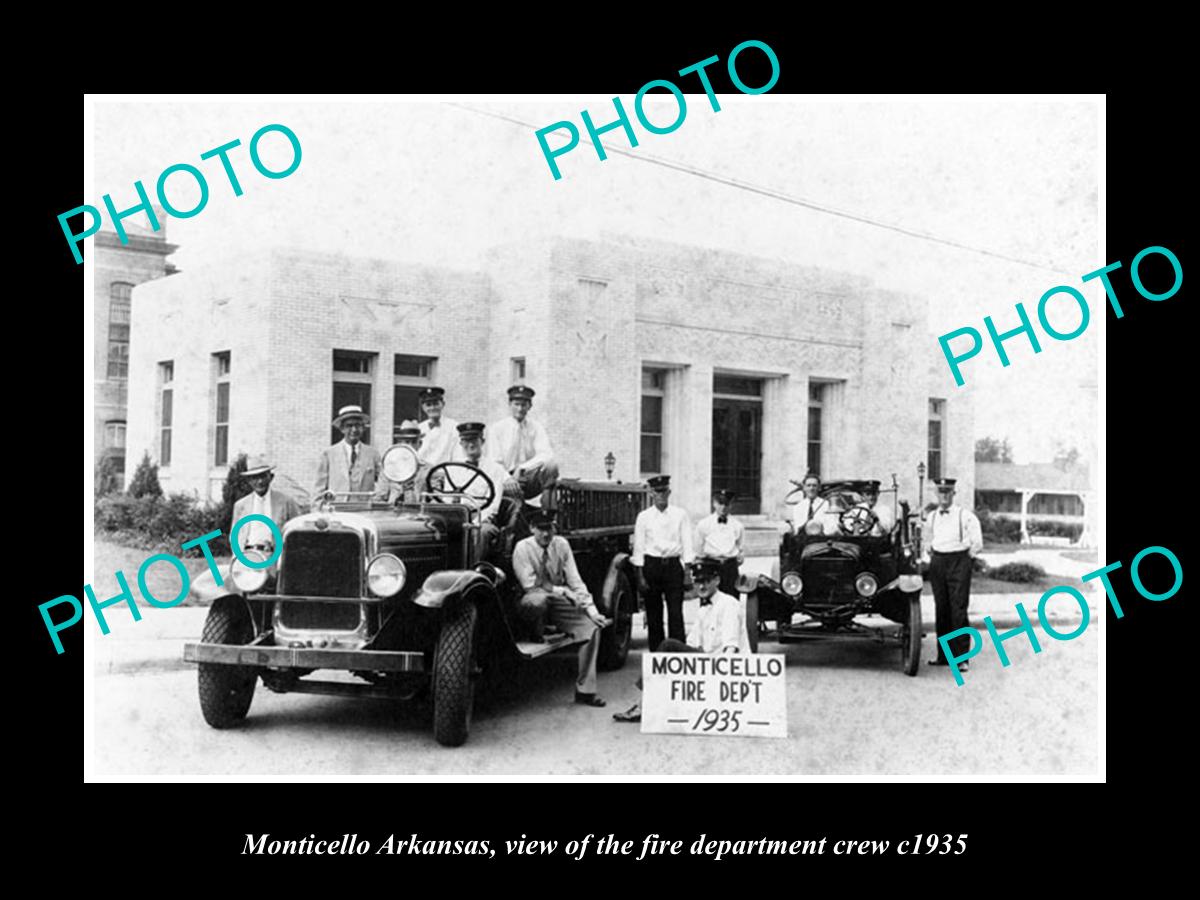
(953, 537)
(719, 537)
(720, 625)
(439, 434)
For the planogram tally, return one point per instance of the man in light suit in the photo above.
(349, 465)
(275, 505)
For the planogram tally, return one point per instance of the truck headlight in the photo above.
(246, 579)
(910, 582)
(865, 584)
(386, 575)
(792, 584)
(400, 464)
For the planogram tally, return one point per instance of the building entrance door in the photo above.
(737, 441)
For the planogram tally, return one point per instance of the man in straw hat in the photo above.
(349, 466)
(262, 500)
(409, 435)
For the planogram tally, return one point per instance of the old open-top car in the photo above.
(834, 572)
(397, 596)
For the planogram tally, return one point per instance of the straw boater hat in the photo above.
(257, 465)
(350, 412)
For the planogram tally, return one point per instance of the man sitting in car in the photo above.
(813, 514)
(883, 513)
(500, 515)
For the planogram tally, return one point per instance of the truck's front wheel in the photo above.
(453, 684)
(226, 691)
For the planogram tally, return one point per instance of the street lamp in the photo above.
(610, 463)
(921, 486)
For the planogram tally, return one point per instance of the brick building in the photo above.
(119, 268)
(718, 368)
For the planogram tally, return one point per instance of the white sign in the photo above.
(723, 694)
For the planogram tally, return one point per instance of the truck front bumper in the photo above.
(305, 658)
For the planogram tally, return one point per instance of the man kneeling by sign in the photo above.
(720, 626)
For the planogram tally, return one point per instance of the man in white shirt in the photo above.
(953, 538)
(522, 446)
(719, 537)
(720, 625)
(501, 512)
(545, 568)
(439, 435)
(884, 520)
(812, 508)
(662, 546)
(349, 466)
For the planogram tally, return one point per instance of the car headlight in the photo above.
(386, 575)
(400, 464)
(246, 579)
(792, 584)
(910, 582)
(865, 584)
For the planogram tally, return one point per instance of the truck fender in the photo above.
(236, 600)
(445, 590)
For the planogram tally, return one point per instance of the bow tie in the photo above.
(721, 520)
(943, 512)
(435, 424)
(706, 601)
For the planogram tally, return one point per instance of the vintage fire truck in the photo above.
(397, 596)
(830, 577)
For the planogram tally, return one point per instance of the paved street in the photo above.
(851, 711)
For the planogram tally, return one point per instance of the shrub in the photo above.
(1052, 528)
(1018, 572)
(115, 512)
(145, 479)
(999, 530)
(108, 479)
(979, 566)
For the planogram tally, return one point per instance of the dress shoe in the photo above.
(964, 667)
(633, 714)
(938, 662)
(588, 699)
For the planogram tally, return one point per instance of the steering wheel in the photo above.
(858, 520)
(470, 476)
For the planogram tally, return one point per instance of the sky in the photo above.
(435, 183)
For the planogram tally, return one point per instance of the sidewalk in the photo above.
(155, 644)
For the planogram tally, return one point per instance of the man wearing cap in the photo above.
(264, 501)
(545, 568)
(720, 625)
(883, 515)
(953, 538)
(719, 537)
(662, 546)
(522, 446)
(407, 435)
(349, 466)
(439, 435)
(811, 507)
(501, 513)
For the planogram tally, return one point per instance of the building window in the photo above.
(817, 396)
(114, 435)
(937, 419)
(517, 373)
(353, 384)
(653, 393)
(413, 366)
(166, 410)
(118, 330)
(412, 375)
(221, 365)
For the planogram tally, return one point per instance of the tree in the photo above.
(1066, 457)
(990, 449)
(108, 479)
(145, 479)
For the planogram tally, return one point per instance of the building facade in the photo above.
(719, 369)
(119, 269)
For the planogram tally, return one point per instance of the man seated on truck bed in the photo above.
(553, 591)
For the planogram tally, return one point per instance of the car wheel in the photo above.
(616, 638)
(910, 636)
(453, 684)
(226, 691)
(752, 620)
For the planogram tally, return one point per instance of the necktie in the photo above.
(353, 455)
(812, 508)
(546, 567)
(721, 520)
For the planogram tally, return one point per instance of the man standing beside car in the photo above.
(954, 539)
(439, 437)
(719, 537)
(262, 500)
(349, 466)
(662, 546)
